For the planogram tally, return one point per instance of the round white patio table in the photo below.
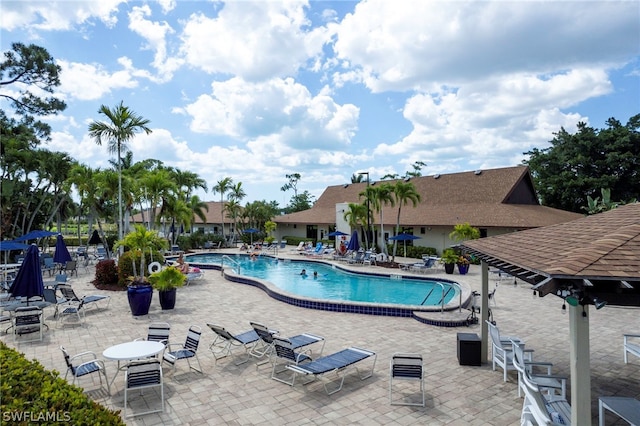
(131, 351)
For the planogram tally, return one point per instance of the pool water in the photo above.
(333, 283)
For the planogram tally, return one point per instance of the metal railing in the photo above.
(235, 264)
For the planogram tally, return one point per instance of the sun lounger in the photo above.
(337, 363)
(225, 342)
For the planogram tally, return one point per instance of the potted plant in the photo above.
(449, 258)
(463, 265)
(139, 291)
(167, 281)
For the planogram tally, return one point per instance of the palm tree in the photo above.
(356, 215)
(380, 196)
(121, 127)
(403, 192)
(222, 186)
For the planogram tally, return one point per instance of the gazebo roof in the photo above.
(593, 257)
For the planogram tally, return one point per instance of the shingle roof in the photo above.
(493, 198)
(602, 247)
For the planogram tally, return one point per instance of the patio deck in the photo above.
(230, 394)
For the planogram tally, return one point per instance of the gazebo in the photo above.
(592, 261)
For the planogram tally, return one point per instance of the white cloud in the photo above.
(278, 108)
(254, 40)
(155, 34)
(91, 81)
(409, 45)
(56, 15)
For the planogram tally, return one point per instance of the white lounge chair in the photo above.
(631, 346)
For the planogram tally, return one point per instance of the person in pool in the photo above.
(303, 273)
(315, 275)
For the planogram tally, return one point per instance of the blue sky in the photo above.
(258, 90)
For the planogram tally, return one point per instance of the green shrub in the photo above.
(106, 272)
(28, 389)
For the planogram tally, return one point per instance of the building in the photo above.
(496, 201)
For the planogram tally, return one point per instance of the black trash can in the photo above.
(469, 349)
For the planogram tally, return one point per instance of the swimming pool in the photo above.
(395, 294)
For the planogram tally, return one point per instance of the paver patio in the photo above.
(241, 395)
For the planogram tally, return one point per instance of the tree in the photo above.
(26, 68)
(379, 196)
(463, 232)
(121, 127)
(294, 178)
(577, 166)
(357, 178)
(222, 186)
(300, 202)
(417, 169)
(356, 216)
(404, 193)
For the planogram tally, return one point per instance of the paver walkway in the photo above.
(243, 395)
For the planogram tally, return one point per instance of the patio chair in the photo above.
(48, 265)
(70, 295)
(285, 350)
(28, 320)
(404, 366)
(73, 308)
(369, 258)
(83, 364)
(187, 351)
(357, 259)
(338, 363)
(631, 346)
(267, 339)
(49, 295)
(143, 375)
(225, 342)
(502, 351)
(158, 332)
(536, 410)
(549, 382)
(70, 267)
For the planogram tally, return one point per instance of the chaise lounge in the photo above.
(337, 363)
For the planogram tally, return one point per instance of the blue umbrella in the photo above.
(9, 245)
(337, 234)
(354, 245)
(61, 255)
(405, 238)
(95, 238)
(34, 235)
(251, 231)
(28, 281)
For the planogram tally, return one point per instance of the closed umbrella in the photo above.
(61, 254)
(405, 238)
(28, 281)
(95, 238)
(354, 245)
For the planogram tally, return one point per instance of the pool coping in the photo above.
(382, 309)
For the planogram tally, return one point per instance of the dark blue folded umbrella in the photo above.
(354, 244)
(61, 254)
(28, 282)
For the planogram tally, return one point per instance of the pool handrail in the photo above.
(444, 295)
(232, 261)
